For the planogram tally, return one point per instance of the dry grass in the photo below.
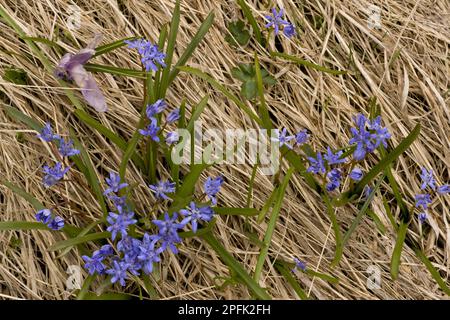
(412, 88)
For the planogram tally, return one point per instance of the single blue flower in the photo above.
(155, 108)
(118, 272)
(94, 264)
(212, 188)
(57, 223)
(53, 175)
(427, 179)
(367, 191)
(161, 188)
(362, 138)
(289, 30)
(119, 223)
(276, 20)
(168, 232)
(423, 200)
(334, 177)
(316, 165)
(194, 214)
(66, 148)
(151, 130)
(47, 134)
(119, 202)
(173, 116)
(148, 254)
(334, 158)
(105, 250)
(356, 174)
(172, 137)
(114, 183)
(444, 189)
(422, 217)
(301, 137)
(151, 57)
(44, 216)
(299, 265)
(282, 138)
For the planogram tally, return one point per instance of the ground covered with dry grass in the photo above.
(404, 64)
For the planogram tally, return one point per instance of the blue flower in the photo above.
(212, 187)
(334, 177)
(151, 57)
(276, 20)
(356, 174)
(299, 264)
(289, 30)
(444, 189)
(148, 255)
(362, 138)
(53, 175)
(173, 116)
(119, 202)
(118, 272)
(44, 216)
(367, 191)
(168, 231)
(57, 223)
(282, 138)
(105, 250)
(119, 223)
(334, 158)
(194, 214)
(423, 200)
(422, 217)
(161, 188)
(301, 137)
(130, 248)
(172, 137)
(47, 133)
(94, 264)
(114, 183)
(427, 179)
(156, 108)
(66, 148)
(316, 165)
(152, 130)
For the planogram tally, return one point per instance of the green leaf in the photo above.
(434, 273)
(91, 174)
(202, 30)
(322, 276)
(107, 296)
(224, 91)
(396, 254)
(247, 74)
(239, 35)
(236, 211)
(118, 141)
(380, 166)
(22, 225)
(15, 75)
(112, 46)
(263, 110)
(115, 70)
(37, 205)
(272, 223)
(85, 288)
(78, 240)
(174, 24)
(228, 259)
(306, 63)
(287, 274)
(197, 112)
(48, 42)
(20, 116)
(251, 19)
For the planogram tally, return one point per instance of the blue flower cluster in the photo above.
(284, 139)
(367, 137)
(277, 22)
(428, 186)
(152, 130)
(130, 255)
(52, 175)
(151, 57)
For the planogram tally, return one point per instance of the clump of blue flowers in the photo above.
(54, 174)
(428, 189)
(131, 253)
(151, 57)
